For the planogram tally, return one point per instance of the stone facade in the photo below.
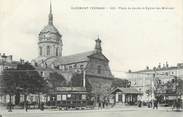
(93, 63)
(143, 79)
(6, 62)
(50, 40)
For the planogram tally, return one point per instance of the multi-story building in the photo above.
(6, 62)
(144, 79)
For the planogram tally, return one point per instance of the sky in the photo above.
(131, 38)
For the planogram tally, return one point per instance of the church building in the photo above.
(94, 65)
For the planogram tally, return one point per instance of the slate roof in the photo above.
(127, 90)
(50, 28)
(81, 57)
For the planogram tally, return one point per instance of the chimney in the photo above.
(167, 64)
(21, 61)
(163, 65)
(159, 66)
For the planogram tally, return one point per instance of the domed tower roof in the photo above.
(50, 40)
(50, 28)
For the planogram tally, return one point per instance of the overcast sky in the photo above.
(131, 39)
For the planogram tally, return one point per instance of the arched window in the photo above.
(40, 51)
(48, 50)
(99, 69)
(57, 51)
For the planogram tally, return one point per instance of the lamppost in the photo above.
(153, 78)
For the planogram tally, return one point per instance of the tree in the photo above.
(174, 86)
(56, 80)
(77, 81)
(8, 84)
(157, 89)
(180, 86)
(120, 83)
(24, 79)
(29, 80)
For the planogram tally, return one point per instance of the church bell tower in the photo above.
(50, 40)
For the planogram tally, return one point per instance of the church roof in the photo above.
(74, 58)
(50, 28)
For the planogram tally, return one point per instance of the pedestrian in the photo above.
(26, 106)
(9, 107)
(107, 103)
(42, 106)
(155, 104)
(140, 103)
(103, 104)
(99, 105)
(174, 105)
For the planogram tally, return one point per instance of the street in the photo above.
(96, 113)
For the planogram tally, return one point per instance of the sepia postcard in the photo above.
(85, 58)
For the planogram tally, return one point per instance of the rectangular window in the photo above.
(83, 97)
(40, 51)
(64, 97)
(99, 69)
(58, 97)
(48, 50)
(56, 51)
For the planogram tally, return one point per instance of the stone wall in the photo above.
(92, 68)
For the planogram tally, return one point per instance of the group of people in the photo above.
(27, 106)
(103, 104)
(177, 104)
(151, 104)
